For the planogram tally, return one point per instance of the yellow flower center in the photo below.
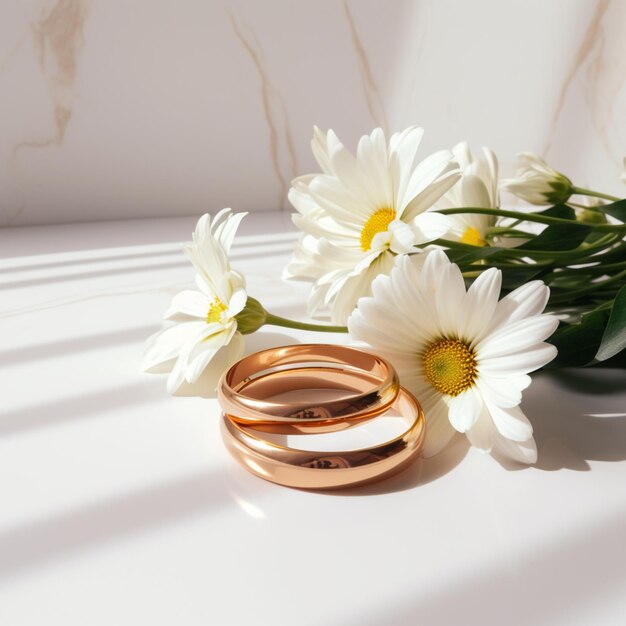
(215, 311)
(449, 366)
(377, 223)
(472, 237)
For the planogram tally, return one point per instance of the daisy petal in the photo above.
(519, 451)
(360, 285)
(177, 375)
(517, 336)
(406, 144)
(342, 205)
(427, 199)
(439, 431)
(464, 409)
(492, 174)
(521, 382)
(316, 299)
(199, 363)
(429, 181)
(299, 197)
(474, 191)
(480, 303)
(481, 434)
(237, 302)
(525, 301)
(235, 348)
(227, 230)
(501, 391)
(188, 303)
(319, 146)
(511, 422)
(519, 363)
(205, 349)
(373, 157)
(448, 301)
(370, 324)
(168, 343)
(429, 226)
(402, 237)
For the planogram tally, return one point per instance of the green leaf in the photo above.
(561, 211)
(615, 209)
(594, 236)
(578, 343)
(558, 237)
(617, 361)
(614, 337)
(513, 277)
(471, 253)
(616, 255)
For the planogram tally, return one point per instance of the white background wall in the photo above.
(127, 108)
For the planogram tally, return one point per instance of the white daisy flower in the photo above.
(205, 328)
(478, 187)
(537, 182)
(362, 210)
(464, 354)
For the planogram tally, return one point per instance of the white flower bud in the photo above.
(537, 182)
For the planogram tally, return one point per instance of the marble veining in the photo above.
(591, 38)
(274, 110)
(372, 94)
(176, 110)
(58, 37)
(604, 79)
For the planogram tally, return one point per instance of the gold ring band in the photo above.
(374, 400)
(313, 379)
(328, 470)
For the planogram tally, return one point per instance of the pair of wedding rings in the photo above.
(368, 387)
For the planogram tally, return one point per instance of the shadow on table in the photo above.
(64, 347)
(548, 584)
(92, 274)
(578, 416)
(78, 407)
(75, 531)
(421, 472)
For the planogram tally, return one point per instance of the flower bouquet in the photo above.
(418, 259)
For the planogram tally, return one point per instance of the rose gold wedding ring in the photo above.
(328, 470)
(309, 382)
(317, 366)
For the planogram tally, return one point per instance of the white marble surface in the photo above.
(121, 506)
(115, 108)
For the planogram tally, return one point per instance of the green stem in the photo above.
(565, 256)
(531, 217)
(577, 205)
(275, 320)
(594, 194)
(598, 268)
(571, 295)
(505, 230)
